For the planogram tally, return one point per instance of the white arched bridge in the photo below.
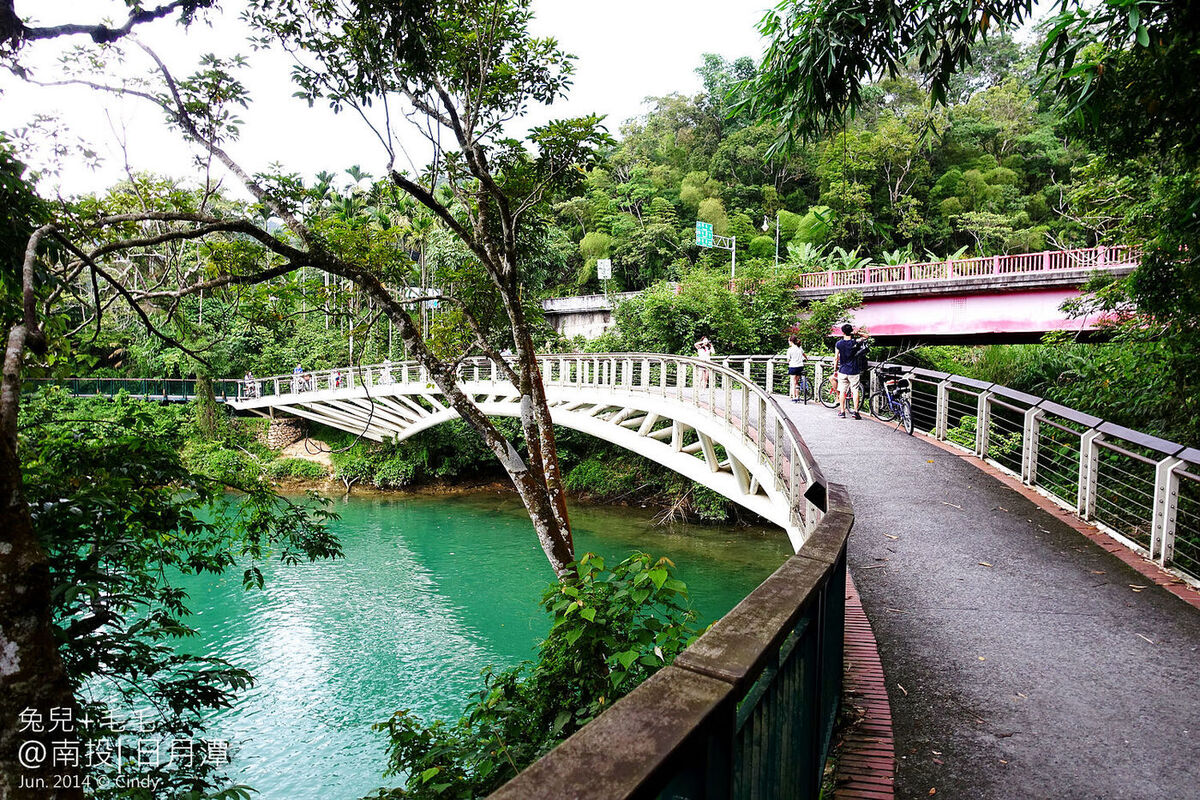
(705, 421)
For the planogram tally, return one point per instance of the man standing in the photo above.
(849, 376)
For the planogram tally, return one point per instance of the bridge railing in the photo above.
(164, 389)
(951, 269)
(746, 712)
(1141, 490)
(742, 404)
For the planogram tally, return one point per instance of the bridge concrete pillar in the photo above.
(1166, 504)
(1029, 445)
(1089, 468)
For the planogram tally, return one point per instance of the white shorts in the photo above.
(847, 383)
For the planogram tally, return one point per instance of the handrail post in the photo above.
(983, 423)
(1089, 467)
(942, 413)
(770, 387)
(1029, 445)
(1166, 503)
(745, 411)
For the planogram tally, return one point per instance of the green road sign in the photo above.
(704, 234)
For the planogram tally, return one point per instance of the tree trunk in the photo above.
(207, 413)
(33, 681)
(541, 503)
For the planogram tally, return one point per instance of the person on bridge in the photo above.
(795, 357)
(704, 351)
(251, 384)
(849, 375)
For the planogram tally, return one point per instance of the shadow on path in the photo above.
(1022, 660)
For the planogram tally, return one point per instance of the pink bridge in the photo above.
(998, 298)
(994, 299)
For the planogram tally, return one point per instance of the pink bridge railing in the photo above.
(1087, 258)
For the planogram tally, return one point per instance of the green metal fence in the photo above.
(171, 390)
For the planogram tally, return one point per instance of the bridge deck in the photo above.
(1057, 671)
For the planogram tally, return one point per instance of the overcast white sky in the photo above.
(627, 49)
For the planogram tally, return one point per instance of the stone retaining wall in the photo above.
(283, 431)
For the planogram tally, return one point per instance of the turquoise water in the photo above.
(430, 592)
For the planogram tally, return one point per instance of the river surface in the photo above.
(431, 591)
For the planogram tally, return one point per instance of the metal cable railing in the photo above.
(1139, 489)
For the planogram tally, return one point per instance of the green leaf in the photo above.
(1143, 36)
(589, 614)
(627, 658)
(659, 576)
(429, 773)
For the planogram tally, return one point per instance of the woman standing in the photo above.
(704, 352)
(795, 357)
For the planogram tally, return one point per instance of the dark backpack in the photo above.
(862, 351)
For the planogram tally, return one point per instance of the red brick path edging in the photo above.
(1153, 572)
(866, 761)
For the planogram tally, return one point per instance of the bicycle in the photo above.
(827, 393)
(892, 402)
(803, 388)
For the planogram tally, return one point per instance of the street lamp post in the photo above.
(766, 226)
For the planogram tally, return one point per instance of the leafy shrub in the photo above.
(395, 472)
(612, 629)
(297, 468)
(220, 461)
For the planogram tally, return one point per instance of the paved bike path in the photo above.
(1056, 672)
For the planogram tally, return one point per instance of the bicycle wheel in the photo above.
(806, 392)
(827, 394)
(906, 419)
(881, 407)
